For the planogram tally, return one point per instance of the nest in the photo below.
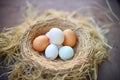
(29, 64)
(35, 66)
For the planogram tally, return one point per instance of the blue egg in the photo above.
(66, 52)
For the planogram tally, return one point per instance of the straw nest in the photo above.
(89, 50)
(87, 54)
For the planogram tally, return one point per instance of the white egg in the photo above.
(51, 52)
(47, 34)
(56, 36)
(66, 52)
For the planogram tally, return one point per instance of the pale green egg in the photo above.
(66, 52)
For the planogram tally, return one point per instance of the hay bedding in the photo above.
(90, 49)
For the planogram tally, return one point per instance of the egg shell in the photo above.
(51, 52)
(69, 38)
(47, 34)
(56, 36)
(66, 52)
(40, 43)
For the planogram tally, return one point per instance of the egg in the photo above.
(56, 36)
(40, 43)
(47, 34)
(69, 38)
(51, 52)
(66, 52)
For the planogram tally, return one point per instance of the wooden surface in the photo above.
(11, 14)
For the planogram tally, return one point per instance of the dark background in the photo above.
(11, 15)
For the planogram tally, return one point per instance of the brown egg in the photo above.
(40, 43)
(69, 38)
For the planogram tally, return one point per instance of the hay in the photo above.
(10, 43)
(30, 65)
